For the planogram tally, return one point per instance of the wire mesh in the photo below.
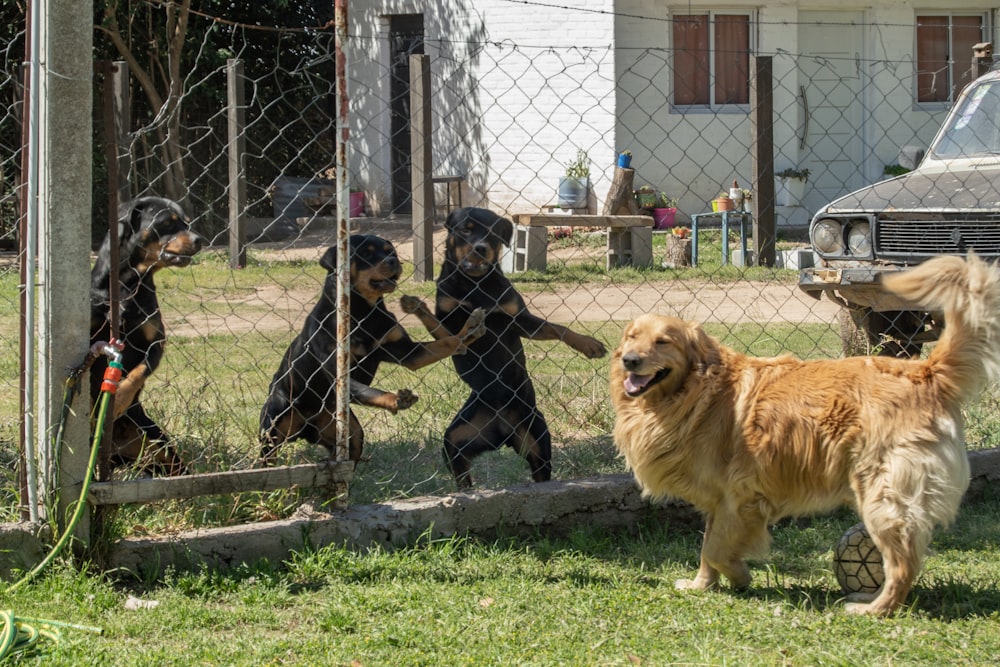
(509, 116)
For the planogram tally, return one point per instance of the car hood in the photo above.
(969, 189)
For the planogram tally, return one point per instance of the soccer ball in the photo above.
(857, 562)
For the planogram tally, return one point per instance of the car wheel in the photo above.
(887, 334)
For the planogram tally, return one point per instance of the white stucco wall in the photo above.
(517, 91)
(518, 88)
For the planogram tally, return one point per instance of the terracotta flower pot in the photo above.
(723, 204)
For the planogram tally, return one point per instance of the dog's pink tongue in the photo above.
(634, 383)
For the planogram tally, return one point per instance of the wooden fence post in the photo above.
(236, 149)
(122, 118)
(762, 158)
(421, 167)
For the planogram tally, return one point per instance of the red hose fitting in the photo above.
(112, 375)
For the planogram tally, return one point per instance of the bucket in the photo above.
(573, 192)
(357, 202)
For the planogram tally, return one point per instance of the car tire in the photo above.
(887, 334)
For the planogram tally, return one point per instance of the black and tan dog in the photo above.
(501, 410)
(301, 400)
(153, 233)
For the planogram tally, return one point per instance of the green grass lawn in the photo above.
(591, 598)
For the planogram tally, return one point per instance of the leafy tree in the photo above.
(164, 43)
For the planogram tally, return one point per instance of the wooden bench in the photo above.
(630, 239)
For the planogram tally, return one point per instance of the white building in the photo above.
(518, 87)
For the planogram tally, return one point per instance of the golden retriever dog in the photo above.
(750, 440)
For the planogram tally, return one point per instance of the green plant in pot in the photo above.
(649, 198)
(575, 185)
(790, 186)
(657, 203)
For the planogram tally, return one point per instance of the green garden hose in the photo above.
(22, 634)
(19, 633)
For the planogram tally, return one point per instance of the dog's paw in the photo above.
(696, 584)
(411, 304)
(405, 398)
(475, 326)
(590, 347)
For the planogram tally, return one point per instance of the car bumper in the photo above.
(857, 286)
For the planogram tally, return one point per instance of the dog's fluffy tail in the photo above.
(967, 292)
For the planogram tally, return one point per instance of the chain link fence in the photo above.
(508, 118)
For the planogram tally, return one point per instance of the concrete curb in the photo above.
(558, 506)
(610, 501)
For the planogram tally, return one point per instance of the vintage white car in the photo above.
(948, 204)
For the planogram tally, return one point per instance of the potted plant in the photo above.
(747, 201)
(625, 159)
(659, 204)
(790, 186)
(723, 202)
(575, 185)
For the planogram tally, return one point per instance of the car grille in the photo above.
(915, 240)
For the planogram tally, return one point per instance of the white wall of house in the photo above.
(597, 76)
(541, 87)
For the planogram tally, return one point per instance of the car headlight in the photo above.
(859, 238)
(828, 237)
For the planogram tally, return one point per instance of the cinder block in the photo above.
(630, 246)
(528, 250)
(736, 256)
(799, 258)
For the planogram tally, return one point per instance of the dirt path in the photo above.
(278, 308)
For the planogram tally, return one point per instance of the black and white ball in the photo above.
(857, 562)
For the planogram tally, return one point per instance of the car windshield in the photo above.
(974, 128)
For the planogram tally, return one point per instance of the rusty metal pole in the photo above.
(343, 246)
(27, 473)
(114, 284)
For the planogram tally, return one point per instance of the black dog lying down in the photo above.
(153, 233)
(301, 401)
(501, 409)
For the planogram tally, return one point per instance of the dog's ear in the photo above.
(703, 351)
(504, 228)
(455, 218)
(329, 259)
(130, 219)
